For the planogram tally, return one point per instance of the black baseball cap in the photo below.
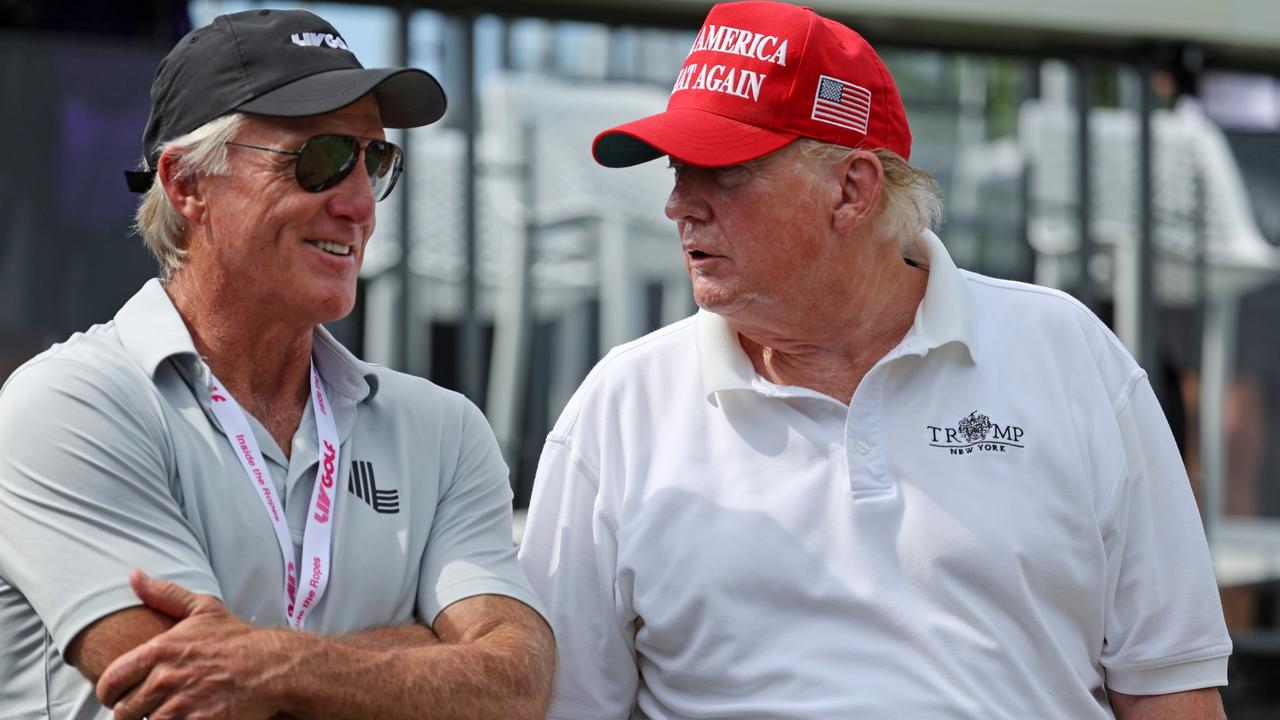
(284, 63)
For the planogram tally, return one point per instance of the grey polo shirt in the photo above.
(111, 459)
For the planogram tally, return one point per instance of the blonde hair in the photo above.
(203, 152)
(910, 201)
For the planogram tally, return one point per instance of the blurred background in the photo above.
(1126, 151)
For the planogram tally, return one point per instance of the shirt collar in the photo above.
(725, 365)
(944, 316)
(152, 331)
(343, 372)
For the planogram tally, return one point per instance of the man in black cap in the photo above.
(208, 505)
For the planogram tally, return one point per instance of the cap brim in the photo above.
(689, 135)
(407, 97)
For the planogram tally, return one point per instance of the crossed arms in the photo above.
(87, 489)
(185, 655)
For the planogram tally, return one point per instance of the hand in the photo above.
(209, 665)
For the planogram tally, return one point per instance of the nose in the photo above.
(352, 199)
(687, 202)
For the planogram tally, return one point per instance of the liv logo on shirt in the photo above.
(976, 431)
(362, 484)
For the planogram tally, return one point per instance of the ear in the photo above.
(862, 178)
(183, 192)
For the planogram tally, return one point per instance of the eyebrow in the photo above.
(752, 164)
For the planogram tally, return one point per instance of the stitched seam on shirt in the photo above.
(89, 603)
(576, 406)
(1213, 652)
(1109, 510)
(584, 466)
(1048, 292)
(481, 578)
(1126, 393)
(1122, 479)
(55, 351)
(146, 413)
(653, 337)
(103, 378)
(589, 473)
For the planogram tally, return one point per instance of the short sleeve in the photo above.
(469, 549)
(1165, 630)
(570, 553)
(85, 497)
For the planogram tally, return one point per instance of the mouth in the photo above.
(698, 255)
(332, 248)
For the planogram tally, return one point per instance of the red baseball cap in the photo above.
(760, 75)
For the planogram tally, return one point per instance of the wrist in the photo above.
(316, 673)
(296, 675)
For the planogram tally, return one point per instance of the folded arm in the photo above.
(495, 659)
(492, 657)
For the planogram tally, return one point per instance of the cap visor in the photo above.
(407, 97)
(688, 135)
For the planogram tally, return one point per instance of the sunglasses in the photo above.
(326, 160)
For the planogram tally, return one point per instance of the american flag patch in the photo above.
(842, 103)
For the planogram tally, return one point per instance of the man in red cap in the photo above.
(859, 483)
(320, 537)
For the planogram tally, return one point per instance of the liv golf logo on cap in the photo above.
(316, 39)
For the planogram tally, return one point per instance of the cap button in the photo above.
(264, 12)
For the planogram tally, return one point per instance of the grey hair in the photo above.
(910, 201)
(203, 152)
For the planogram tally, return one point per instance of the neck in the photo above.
(263, 362)
(834, 335)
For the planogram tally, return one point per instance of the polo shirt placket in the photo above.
(868, 471)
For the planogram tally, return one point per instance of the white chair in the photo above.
(554, 231)
(607, 224)
(1201, 219)
(1196, 188)
(434, 185)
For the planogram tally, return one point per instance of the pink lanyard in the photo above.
(318, 534)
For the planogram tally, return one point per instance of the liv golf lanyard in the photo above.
(317, 537)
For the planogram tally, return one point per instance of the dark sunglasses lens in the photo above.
(325, 161)
(382, 160)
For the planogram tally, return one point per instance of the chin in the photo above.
(333, 306)
(339, 310)
(740, 306)
(715, 299)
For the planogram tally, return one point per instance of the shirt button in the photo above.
(861, 448)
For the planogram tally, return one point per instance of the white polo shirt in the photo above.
(998, 526)
(111, 458)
